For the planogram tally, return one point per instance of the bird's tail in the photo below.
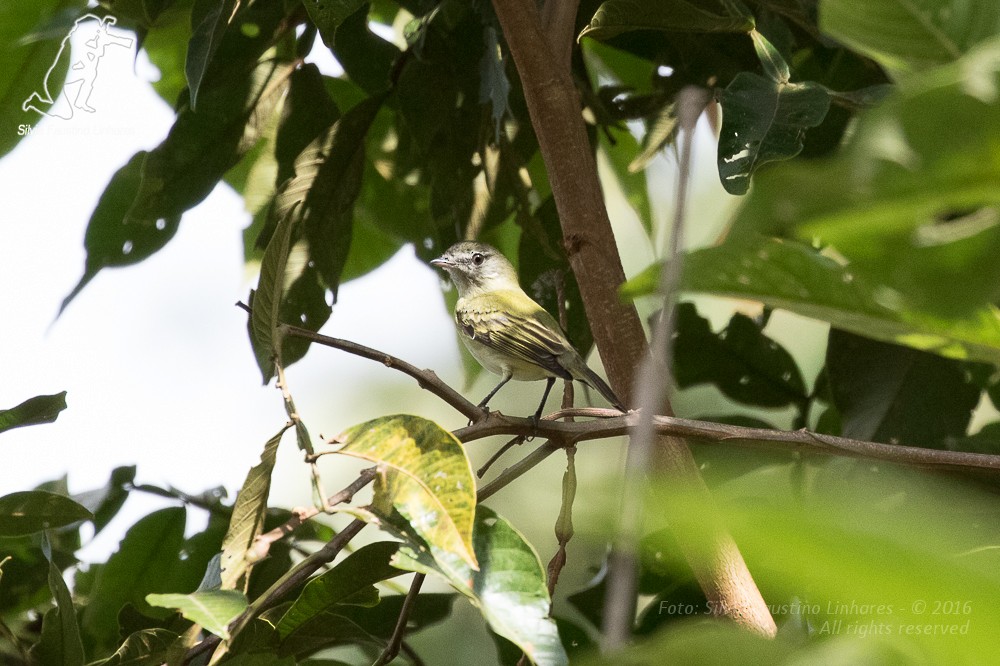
(588, 376)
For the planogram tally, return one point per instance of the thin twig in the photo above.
(392, 649)
(427, 379)
(516, 441)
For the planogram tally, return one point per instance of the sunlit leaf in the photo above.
(247, 521)
(30, 511)
(212, 609)
(430, 482)
(509, 588)
(33, 411)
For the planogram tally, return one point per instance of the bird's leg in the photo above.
(482, 403)
(545, 396)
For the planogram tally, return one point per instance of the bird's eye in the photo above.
(477, 259)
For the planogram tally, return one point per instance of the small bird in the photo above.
(508, 333)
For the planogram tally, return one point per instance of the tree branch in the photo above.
(559, 26)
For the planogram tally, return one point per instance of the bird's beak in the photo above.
(442, 262)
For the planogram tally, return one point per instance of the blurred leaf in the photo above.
(660, 132)
(249, 512)
(770, 58)
(987, 440)
(146, 647)
(911, 203)
(212, 609)
(33, 411)
(27, 65)
(327, 15)
(509, 587)
(209, 20)
(429, 482)
(306, 114)
(166, 46)
(764, 121)
(30, 511)
(888, 393)
(911, 35)
(146, 13)
(106, 502)
(614, 17)
(741, 361)
(141, 565)
(341, 585)
(797, 278)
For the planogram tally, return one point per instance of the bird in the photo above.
(505, 330)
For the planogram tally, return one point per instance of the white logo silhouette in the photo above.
(82, 73)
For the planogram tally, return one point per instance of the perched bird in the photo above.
(508, 333)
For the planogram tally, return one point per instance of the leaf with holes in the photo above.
(429, 479)
(764, 121)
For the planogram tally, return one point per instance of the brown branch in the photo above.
(427, 379)
(396, 641)
(554, 107)
(559, 26)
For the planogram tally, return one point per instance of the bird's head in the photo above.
(477, 268)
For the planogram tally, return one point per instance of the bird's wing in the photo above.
(511, 323)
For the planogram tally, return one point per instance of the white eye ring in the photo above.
(477, 259)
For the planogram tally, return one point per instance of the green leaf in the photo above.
(741, 361)
(355, 575)
(430, 482)
(367, 58)
(910, 35)
(614, 17)
(209, 20)
(494, 87)
(247, 521)
(105, 502)
(166, 45)
(212, 609)
(27, 64)
(327, 15)
(146, 647)
(509, 587)
(60, 642)
(113, 240)
(142, 564)
(622, 150)
(797, 278)
(770, 58)
(764, 121)
(40, 409)
(887, 393)
(327, 181)
(30, 511)
(267, 298)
